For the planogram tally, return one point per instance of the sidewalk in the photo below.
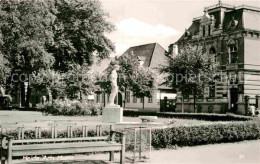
(247, 152)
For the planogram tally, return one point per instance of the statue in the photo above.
(114, 90)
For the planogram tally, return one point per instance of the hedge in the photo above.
(69, 108)
(205, 134)
(197, 116)
(30, 134)
(182, 135)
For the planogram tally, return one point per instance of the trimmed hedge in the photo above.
(197, 116)
(179, 136)
(205, 134)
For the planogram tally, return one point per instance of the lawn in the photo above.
(21, 116)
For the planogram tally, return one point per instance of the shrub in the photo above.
(197, 116)
(210, 109)
(95, 111)
(199, 108)
(205, 134)
(223, 109)
(72, 108)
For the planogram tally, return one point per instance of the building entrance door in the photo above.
(233, 99)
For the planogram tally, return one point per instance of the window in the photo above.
(134, 99)
(209, 30)
(150, 100)
(212, 91)
(203, 31)
(98, 98)
(233, 53)
(141, 100)
(127, 96)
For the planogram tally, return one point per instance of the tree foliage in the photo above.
(48, 82)
(79, 80)
(129, 64)
(79, 32)
(190, 71)
(131, 76)
(46, 37)
(25, 29)
(144, 83)
(4, 70)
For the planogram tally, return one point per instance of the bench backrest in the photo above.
(54, 127)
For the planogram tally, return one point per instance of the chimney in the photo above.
(175, 50)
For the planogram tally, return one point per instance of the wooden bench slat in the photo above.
(64, 145)
(61, 139)
(66, 151)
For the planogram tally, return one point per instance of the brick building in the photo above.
(231, 34)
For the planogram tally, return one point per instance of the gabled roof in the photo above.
(102, 65)
(152, 54)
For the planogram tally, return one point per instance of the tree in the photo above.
(79, 80)
(129, 65)
(190, 71)
(103, 82)
(79, 33)
(143, 83)
(48, 82)
(40, 35)
(4, 72)
(25, 30)
(4, 69)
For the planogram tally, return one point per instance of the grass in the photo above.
(21, 116)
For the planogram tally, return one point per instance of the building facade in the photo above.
(231, 34)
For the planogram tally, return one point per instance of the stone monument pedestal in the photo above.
(112, 114)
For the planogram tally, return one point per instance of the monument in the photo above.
(111, 112)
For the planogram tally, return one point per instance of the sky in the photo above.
(148, 21)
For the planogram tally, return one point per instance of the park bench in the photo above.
(62, 146)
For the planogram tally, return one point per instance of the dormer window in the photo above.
(187, 33)
(141, 60)
(233, 56)
(207, 24)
